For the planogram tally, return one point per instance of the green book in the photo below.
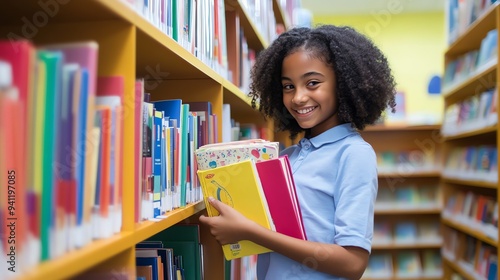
(52, 60)
(184, 239)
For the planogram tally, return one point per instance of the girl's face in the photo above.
(309, 91)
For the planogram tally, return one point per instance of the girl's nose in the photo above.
(300, 97)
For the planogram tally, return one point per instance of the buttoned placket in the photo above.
(305, 149)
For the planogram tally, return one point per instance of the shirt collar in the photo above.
(333, 134)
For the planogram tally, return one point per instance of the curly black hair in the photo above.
(365, 85)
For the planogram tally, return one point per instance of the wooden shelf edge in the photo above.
(400, 246)
(469, 231)
(489, 68)
(236, 92)
(457, 268)
(472, 28)
(401, 127)
(146, 229)
(415, 174)
(472, 133)
(471, 183)
(78, 261)
(408, 211)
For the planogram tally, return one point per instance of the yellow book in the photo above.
(237, 185)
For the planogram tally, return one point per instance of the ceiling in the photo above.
(333, 7)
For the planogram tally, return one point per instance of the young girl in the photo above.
(328, 82)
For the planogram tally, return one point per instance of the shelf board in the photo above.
(77, 261)
(490, 131)
(400, 246)
(405, 278)
(471, 183)
(471, 39)
(146, 229)
(458, 268)
(407, 211)
(470, 231)
(416, 174)
(396, 128)
(480, 81)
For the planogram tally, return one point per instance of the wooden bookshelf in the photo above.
(397, 174)
(462, 218)
(131, 46)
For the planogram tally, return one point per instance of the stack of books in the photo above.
(251, 177)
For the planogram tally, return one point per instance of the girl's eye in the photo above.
(312, 83)
(287, 87)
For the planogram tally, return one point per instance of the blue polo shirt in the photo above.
(335, 174)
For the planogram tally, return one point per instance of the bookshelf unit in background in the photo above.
(132, 47)
(470, 143)
(407, 238)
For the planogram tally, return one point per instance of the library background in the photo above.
(87, 190)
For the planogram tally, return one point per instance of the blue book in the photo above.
(157, 162)
(146, 261)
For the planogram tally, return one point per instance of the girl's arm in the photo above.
(231, 226)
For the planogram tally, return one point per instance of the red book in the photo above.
(279, 188)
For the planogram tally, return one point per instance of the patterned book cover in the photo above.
(220, 154)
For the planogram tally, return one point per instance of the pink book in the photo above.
(138, 98)
(83, 53)
(279, 189)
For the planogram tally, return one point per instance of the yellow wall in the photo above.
(414, 45)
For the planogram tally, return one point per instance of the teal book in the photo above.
(184, 239)
(53, 64)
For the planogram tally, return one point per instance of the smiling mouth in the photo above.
(306, 110)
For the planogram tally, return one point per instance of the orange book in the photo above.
(110, 92)
(103, 120)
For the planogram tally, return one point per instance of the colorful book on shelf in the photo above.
(102, 222)
(432, 265)
(405, 232)
(138, 134)
(408, 264)
(185, 241)
(157, 162)
(177, 112)
(110, 92)
(203, 110)
(382, 232)
(65, 181)
(154, 262)
(84, 54)
(16, 62)
(379, 266)
(150, 249)
(238, 185)
(53, 62)
(279, 190)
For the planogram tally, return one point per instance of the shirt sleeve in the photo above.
(355, 196)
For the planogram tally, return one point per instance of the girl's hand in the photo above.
(230, 226)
